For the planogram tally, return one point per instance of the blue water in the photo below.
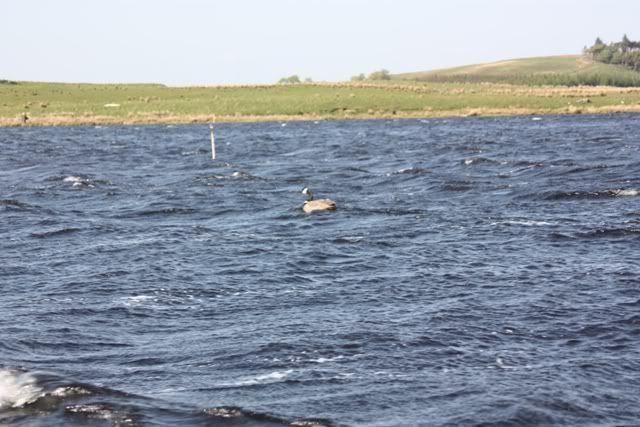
(476, 271)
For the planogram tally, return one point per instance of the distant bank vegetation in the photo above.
(625, 53)
(294, 79)
(379, 75)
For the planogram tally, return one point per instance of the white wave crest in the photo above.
(326, 359)
(18, 388)
(630, 192)
(525, 223)
(273, 377)
(78, 181)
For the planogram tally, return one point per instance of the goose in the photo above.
(311, 205)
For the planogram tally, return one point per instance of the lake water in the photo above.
(477, 271)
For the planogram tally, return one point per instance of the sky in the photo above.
(199, 42)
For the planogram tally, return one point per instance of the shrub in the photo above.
(289, 80)
(380, 75)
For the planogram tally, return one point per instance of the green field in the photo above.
(71, 104)
(569, 70)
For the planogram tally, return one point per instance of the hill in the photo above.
(566, 70)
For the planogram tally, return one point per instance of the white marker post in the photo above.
(213, 143)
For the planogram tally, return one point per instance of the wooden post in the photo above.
(213, 143)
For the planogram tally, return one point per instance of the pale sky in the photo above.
(259, 41)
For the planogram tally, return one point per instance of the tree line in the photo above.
(376, 75)
(294, 79)
(625, 53)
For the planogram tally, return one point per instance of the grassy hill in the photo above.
(567, 70)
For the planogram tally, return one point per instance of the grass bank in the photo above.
(76, 104)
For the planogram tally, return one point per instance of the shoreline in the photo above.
(176, 119)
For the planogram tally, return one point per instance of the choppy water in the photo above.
(477, 271)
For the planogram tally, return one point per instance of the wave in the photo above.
(457, 185)
(632, 192)
(605, 139)
(45, 399)
(523, 222)
(163, 211)
(239, 415)
(79, 181)
(270, 378)
(528, 163)
(480, 160)
(55, 233)
(580, 169)
(235, 175)
(166, 211)
(610, 232)
(410, 171)
(17, 388)
(16, 204)
(348, 240)
(198, 151)
(597, 194)
(567, 167)
(597, 233)
(390, 211)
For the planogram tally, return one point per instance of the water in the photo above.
(477, 271)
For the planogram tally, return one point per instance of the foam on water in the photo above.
(18, 388)
(270, 378)
(77, 181)
(631, 192)
(162, 300)
(72, 178)
(327, 359)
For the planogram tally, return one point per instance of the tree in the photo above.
(634, 61)
(617, 58)
(380, 75)
(289, 80)
(625, 53)
(360, 77)
(605, 56)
